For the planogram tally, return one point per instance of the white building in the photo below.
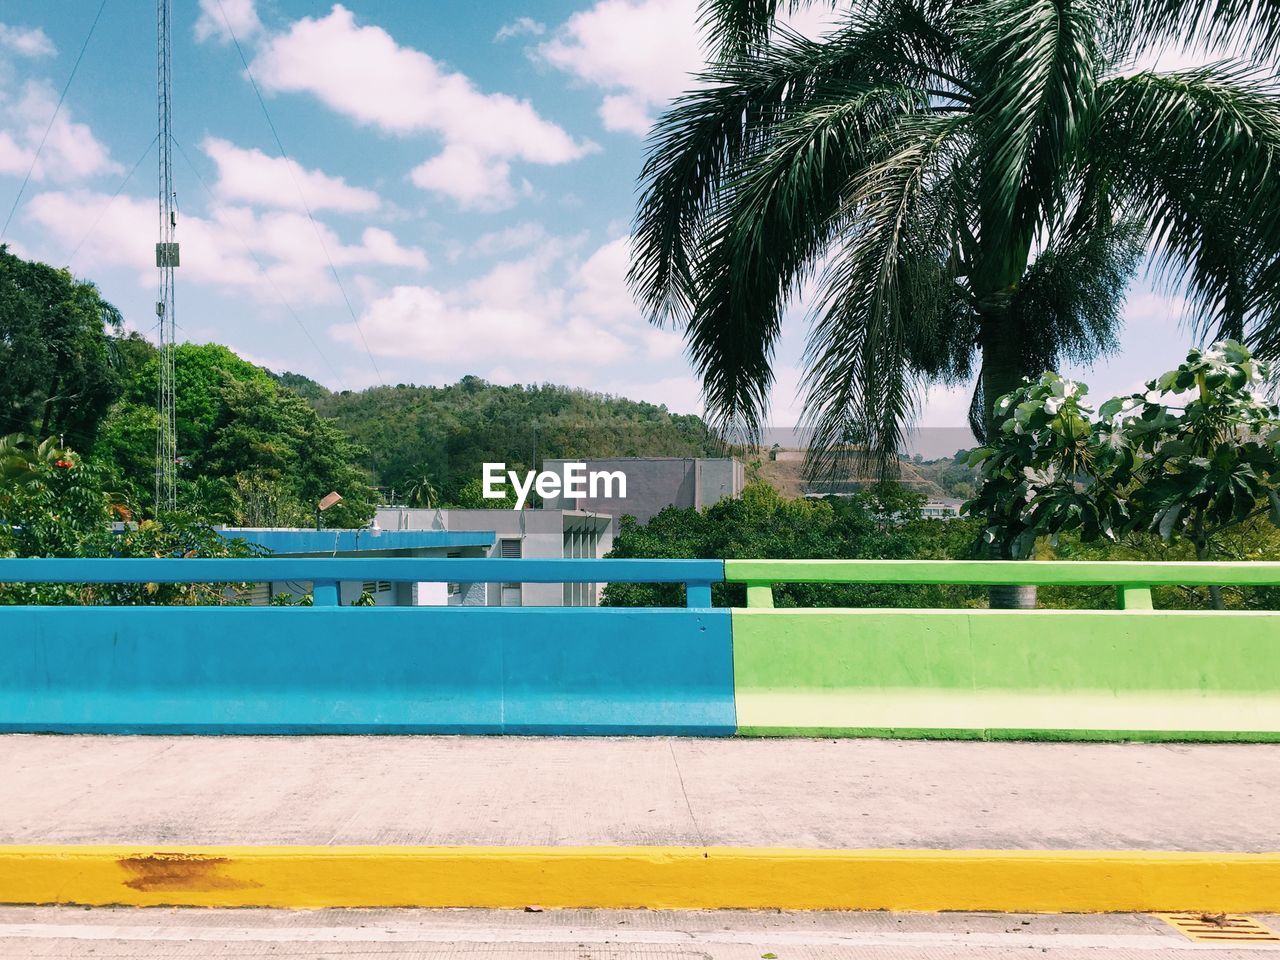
(516, 533)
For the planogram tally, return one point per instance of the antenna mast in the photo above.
(166, 260)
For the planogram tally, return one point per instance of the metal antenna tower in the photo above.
(166, 260)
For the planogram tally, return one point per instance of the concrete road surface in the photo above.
(638, 791)
(588, 935)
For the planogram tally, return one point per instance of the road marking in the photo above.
(391, 933)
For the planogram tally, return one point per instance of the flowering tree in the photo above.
(1193, 457)
(54, 503)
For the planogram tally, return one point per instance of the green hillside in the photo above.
(445, 433)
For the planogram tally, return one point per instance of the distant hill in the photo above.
(444, 434)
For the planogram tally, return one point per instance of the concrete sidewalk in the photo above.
(847, 794)
(27, 932)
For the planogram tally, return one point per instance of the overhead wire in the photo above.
(297, 186)
(263, 269)
(17, 201)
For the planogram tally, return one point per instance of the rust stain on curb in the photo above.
(192, 872)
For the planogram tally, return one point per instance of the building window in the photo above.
(511, 593)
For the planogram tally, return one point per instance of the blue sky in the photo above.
(471, 169)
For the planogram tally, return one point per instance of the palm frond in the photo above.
(714, 130)
(693, 149)
(861, 383)
(1070, 304)
(774, 221)
(734, 27)
(1195, 157)
(1036, 63)
(1252, 25)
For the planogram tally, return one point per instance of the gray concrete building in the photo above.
(653, 483)
(516, 533)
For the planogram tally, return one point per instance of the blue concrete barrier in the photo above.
(234, 669)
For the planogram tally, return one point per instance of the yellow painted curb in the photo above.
(653, 877)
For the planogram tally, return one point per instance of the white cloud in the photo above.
(680, 394)
(71, 152)
(254, 177)
(361, 72)
(626, 113)
(520, 236)
(643, 53)
(220, 19)
(600, 286)
(214, 248)
(599, 291)
(439, 329)
(520, 27)
(475, 181)
(531, 317)
(25, 41)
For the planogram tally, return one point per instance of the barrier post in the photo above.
(759, 595)
(697, 594)
(324, 593)
(1132, 596)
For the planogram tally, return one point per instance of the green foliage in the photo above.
(442, 435)
(59, 369)
(1257, 539)
(276, 448)
(253, 452)
(1193, 458)
(53, 503)
(471, 497)
(1031, 477)
(883, 523)
(971, 184)
(289, 600)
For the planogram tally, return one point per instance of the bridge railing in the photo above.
(1061, 674)
(325, 573)
(328, 668)
(1133, 580)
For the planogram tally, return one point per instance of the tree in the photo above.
(448, 432)
(56, 353)
(52, 503)
(422, 491)
(471, 497)
(55, 503)
(883, 523)
(129, 434)
(980, 180)
(1194, 457)
(253, 451)
(283, 457)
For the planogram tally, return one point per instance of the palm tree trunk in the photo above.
(1002, 372)
(1202, 553)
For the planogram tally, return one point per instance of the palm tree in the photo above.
(422, 492)
(972, 184)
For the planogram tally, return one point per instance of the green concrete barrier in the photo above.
(1133, 673)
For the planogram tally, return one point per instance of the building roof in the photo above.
(287, 540)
